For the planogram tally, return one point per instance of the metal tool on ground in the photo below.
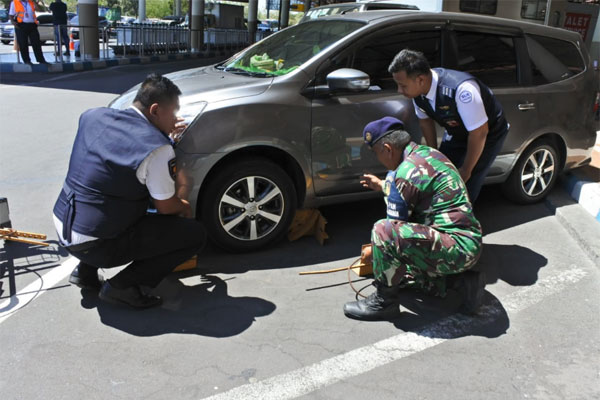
(361, 267)
(16, 236)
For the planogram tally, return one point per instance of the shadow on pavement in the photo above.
(203, 309)
(110, 80)
(496, 213)
(348, 226)
(513, 264)
(21, 260)
(435, 317)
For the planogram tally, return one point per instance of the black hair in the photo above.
(397, 138)
(156, 89)
(412, 62)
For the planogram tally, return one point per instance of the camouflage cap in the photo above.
(375, 130)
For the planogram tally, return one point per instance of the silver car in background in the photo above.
(279, 125)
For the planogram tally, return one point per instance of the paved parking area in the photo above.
(249, 327)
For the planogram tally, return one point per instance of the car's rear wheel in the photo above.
(248, 205)
(534, 175)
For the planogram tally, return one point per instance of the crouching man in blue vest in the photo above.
(472, 117)
(120, 160)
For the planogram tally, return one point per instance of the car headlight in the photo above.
(189, 112)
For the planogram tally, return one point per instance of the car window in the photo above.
(489, 57)
(479, 6)
(285, 51)
(45, 19)
(553, 60)
(376, 53)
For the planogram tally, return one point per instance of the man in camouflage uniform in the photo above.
(430, 233)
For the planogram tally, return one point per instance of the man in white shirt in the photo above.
(22, 16)
(122, 160)
(472, 117)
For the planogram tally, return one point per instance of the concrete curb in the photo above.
(584, 192)
(578, 222)
(99, 64)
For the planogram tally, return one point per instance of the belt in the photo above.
(84, 246)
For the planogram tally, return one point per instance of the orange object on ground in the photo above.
(189, 264)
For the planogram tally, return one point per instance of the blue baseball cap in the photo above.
(375, 130)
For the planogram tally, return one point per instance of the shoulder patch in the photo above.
(466, 97)
(173, 168)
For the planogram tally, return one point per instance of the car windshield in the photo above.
(285, 51)
(332, 10)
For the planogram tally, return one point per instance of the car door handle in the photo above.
(526, 106)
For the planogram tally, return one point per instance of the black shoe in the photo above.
(85, 276)
(44, 63)
(380, 305)
(131, 296)
(27, 62)
(471, 286)
(66, 53)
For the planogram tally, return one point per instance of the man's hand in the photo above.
(174, 206)
(367, 254)
(180, 126)
(372, 182)
(187, 209)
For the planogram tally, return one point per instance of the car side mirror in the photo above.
(348, 80)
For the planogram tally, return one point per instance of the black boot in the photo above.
(382, 304)
(85, 276)
(471, 286)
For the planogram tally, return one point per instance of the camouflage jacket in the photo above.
(427, 189)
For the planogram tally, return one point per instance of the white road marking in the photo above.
(305, 380)
(36, 288)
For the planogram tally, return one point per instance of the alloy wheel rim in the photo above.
(537, 172)
(251, 208)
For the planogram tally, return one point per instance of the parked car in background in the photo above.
(268, 25)
(279, 125)
(172, 20)
(104, 31)
(45, 27)
(3, 15)
(344, 8)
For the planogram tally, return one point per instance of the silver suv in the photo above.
(279, 125)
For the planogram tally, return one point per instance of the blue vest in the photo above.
(396, 206)
(446, 113)
(102, 196)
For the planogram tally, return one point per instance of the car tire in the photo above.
(534, 174)
(5, 41)
(238, 222)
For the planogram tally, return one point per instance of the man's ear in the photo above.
(153, 109)
(388, 147)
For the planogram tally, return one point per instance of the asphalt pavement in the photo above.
(249, 327)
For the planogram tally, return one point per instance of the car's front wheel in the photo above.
(248, 204)
(534, 175)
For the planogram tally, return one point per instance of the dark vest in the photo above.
(446, 113)
(102, 196)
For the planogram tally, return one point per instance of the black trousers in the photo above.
(25, 33)
(154, 246)
(456, 152)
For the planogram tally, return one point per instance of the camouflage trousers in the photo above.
(417, 256)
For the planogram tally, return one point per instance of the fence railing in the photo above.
(152, 39)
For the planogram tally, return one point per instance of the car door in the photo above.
(339, 156)
(498, 57)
